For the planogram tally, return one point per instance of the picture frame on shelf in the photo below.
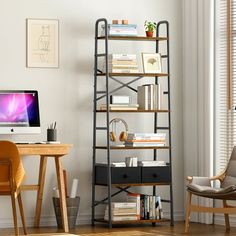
(151, 63)
(42, 43)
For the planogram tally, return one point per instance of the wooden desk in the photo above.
(44, 151)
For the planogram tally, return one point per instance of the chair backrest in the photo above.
(9, 150)
(230, 174)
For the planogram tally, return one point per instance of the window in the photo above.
(225, 81)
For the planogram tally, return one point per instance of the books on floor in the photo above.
(149, 97)
(122, 211)
(120, 30)
(146, 140)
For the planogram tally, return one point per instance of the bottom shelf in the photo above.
(133, 221)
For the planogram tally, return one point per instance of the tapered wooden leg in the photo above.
(61, 187)
(227, 224)
(41, 181)
(14, 213)
(187, 213)
(22, 213)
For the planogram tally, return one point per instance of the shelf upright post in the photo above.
(166, 23)
(107, 124)
(155, 117)
(94, 121)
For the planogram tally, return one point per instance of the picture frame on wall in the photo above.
(42, 43)
(151, 63)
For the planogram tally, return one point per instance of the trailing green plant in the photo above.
(150, 26)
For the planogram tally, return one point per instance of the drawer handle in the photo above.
(125, 176)
(154, 175)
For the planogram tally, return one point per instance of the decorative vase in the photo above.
(149, 33)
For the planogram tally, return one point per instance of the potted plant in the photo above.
(150, 27)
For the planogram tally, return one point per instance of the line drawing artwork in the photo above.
(42, 43)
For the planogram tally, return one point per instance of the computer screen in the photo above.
(19, 112)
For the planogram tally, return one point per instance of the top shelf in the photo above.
(134, 38)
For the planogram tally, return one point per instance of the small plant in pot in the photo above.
(149, 27)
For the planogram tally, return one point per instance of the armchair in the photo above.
(201, 186)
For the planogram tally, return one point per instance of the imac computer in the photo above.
(19, 112)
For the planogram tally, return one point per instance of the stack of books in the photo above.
(146, 140)
(150, 97)
(120, 30)
(122, 211)
(152, 163)
(118, 164)
(122, 63)
(120, 107)
(148, 207)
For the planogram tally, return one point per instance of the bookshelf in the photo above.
(124, 178)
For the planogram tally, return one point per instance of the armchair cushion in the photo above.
(201, 181)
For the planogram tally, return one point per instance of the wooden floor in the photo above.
(140, 230)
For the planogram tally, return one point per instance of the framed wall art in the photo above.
(42, 43)
(151, 63)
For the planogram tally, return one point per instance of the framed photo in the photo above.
(151, 63)
(42, 43)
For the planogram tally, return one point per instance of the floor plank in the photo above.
(135, 230)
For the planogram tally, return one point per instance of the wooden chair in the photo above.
(201, 186)
(11, 176)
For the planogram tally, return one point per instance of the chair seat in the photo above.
(213, 192)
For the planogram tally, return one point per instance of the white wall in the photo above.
(66, 94)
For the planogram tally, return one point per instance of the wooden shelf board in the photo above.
(133, 221)
(135, 111)
(135, 74)
(123, 147)
(134, 38)
(134, 184)
(140, 184)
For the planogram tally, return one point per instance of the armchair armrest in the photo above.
(205, 180)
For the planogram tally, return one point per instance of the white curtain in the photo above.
(198, 61)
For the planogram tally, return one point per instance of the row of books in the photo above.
(137, 207)
(120, 30)
(149, 97)
(145, 139)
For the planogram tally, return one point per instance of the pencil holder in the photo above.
(51, 135)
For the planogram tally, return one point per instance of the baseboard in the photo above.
(83, 219)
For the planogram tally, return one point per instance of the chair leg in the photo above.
(14, 213)
(187, 213)
(22, 213)
(227, 224)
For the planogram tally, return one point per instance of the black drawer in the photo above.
(119, 175)
(160, 174)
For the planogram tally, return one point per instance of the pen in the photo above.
(55, 124)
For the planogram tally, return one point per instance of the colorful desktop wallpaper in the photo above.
(18, 109)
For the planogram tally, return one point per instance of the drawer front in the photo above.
(160, 174)
(119, 175)
(122, 175)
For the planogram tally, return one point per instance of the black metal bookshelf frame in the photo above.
(99, 94)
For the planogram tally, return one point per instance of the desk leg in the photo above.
(41, 181)
(61, 187)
